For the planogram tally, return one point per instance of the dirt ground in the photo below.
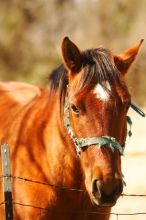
(134, 170)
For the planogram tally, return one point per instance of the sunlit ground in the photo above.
(134, 169)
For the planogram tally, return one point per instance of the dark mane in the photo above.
(98, 65)
(59, 80)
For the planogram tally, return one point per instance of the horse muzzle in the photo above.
(106, 193)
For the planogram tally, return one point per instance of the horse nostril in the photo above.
(113, 188)
(107, 192)
(110, 189)
(96, 188)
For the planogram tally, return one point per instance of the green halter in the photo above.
(81, 143)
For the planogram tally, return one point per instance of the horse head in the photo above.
(97, 102)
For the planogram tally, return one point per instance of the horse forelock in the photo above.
(97, 67)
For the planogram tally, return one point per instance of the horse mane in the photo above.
(98, 65)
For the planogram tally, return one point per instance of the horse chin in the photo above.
(99, 203)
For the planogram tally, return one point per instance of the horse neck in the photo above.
(60, 148)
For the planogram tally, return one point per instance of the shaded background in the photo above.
(30, 36)
(31, 33)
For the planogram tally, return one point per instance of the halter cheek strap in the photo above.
(81, 143)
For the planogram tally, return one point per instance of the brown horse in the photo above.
(70, 136)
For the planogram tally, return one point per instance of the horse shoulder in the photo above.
(14, 97)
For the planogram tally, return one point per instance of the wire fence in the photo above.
(59, 187)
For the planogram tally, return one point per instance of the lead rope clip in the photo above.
(129, 121)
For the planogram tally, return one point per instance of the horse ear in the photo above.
(71, 55)
(124, 60)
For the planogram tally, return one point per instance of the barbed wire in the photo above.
(75, 211)
(2, 203)
(63, 187)
(71, 189)
(133, 195)
(44, 183)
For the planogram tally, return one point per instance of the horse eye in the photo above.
(74, 108)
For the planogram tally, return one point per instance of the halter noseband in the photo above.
(81, 143)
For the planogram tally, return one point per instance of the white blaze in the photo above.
(101, 93)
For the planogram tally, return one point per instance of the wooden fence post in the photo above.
(7, 186)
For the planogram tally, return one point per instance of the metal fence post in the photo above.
(7, 186)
